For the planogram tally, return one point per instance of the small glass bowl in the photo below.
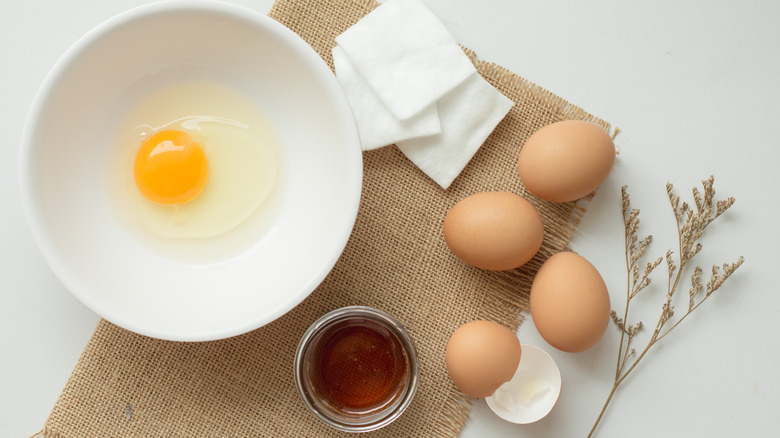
(315, 390)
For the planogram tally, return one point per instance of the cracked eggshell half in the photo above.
(532, 392)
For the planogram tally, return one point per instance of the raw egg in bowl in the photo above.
(190, 170)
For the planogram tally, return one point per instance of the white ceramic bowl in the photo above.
(66, 147)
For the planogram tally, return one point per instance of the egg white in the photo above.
(241, 149)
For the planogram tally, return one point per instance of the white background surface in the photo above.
(693, 88)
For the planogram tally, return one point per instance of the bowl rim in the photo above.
(27, 184)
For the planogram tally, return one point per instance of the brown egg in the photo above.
(481, 356)
(569, 302)
(565, 161)
(494, 230)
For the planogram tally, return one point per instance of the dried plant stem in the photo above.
(690, 227)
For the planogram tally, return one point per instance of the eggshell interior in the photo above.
(533, 390)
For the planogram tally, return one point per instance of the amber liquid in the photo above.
(359, 367)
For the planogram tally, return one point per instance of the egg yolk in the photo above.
(170, 168)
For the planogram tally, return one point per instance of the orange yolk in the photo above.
(170, 168)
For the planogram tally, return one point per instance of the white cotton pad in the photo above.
(406, 56)
(376, 125)
(468, 114)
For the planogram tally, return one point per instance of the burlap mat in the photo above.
(127, 385)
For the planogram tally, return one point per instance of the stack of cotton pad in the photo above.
(410, 84)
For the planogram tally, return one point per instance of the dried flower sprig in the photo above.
(690, 228)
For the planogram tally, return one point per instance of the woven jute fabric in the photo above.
(128, 385)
